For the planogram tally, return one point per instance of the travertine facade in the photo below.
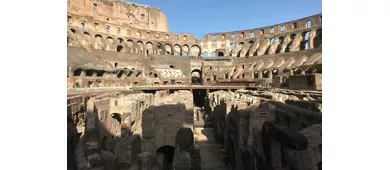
(139, 96)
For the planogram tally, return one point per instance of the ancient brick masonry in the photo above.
(260, 130)
(141, 97)
(124, 130)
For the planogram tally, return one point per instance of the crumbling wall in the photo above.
(259, 130)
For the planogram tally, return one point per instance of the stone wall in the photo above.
(267, 130)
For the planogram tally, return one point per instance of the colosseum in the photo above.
(143, 98)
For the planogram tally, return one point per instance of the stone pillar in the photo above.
(146, 160)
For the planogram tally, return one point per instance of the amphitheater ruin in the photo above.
(143, 98)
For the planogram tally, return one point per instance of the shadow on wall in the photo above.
(282, 137)
(98, 147)
(167, 130)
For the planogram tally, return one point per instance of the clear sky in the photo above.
(201, 17)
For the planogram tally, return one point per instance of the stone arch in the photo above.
(177, 49)
(196, 76)
(77, 72)
(185, 49)
(292, 37)
(279, 48)
(231, 47)
(213, 54)
(98, 37)
(265, 74)
(73, 31)
(110, 40)
(297, 71)
(205, 54)
(119, 48)
(164, 156)
(86, 33)
(318, 39)
(160, 49)
(119, 40)
(141, 46)
(275, 72)
(240, 45)
(305, 41)
(117, 117)
(256, 74)
(168, 49)
(195, 50)
(149, 48)
(220, 54)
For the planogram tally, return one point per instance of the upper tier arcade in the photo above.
(118, 12)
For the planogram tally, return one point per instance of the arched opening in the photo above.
(279, 48)
(155, 75)
(308, 24)
(119, 48)
(318, 39)
(171, 66)
(119, 75)
(213, 54)
(275, 72)
(195, 50)
(177, 54)
(138, 74)
(164, 155)
(89, 73)
(297, 71)
(86, 33)
(232, 46)
(196, 76)
(110, 40)
(185, 53)
(256, 75)
(116, 116)
(100, 73)
(305, 41)
(120, 40)
(309, 70)
(98, 37)
(240, 45)
(226, 75)
(77, 72)
(168, 49)
(220, 53)
(292, 37)
(159, 49)
(130, 74)
(265, 74)
(205, 54)
(177, 49)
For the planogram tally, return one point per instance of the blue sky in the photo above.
(201, 17)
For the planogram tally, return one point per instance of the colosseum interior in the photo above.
(143, 98)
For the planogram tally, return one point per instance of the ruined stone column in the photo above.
(146, 160)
